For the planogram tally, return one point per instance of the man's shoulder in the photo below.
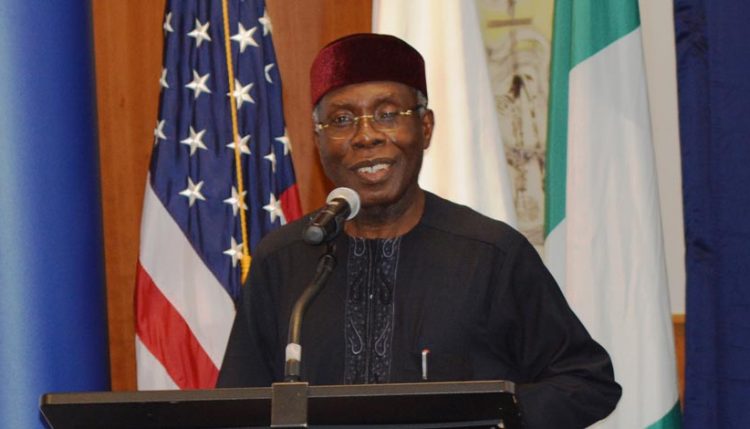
(464, 222)
(282, 238)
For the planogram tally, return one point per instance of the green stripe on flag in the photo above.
(581, 29)
(673, 419)
(557, 128)
(598, 23)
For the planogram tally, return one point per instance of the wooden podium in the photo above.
(414, 405)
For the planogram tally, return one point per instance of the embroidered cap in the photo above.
(366, 57)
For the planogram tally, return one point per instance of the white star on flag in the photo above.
(199, 84)
(245, 37)
(163, 79)
(200, 33)
(241, 93)
(274, 209)
(235, 251)
(265, 21)
(244, 146)
(195, 141)
(193, 192)
(237, 201)
(168, 23)
(159, 131)
(285, 141)
(267, 70)
(271, 157)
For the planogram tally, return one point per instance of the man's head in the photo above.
(371, 116)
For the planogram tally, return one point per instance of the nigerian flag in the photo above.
(604, 239)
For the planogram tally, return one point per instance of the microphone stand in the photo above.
(289, 399)
(326, 264)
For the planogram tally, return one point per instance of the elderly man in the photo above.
(415, 271)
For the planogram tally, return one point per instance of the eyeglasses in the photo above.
(344, 125)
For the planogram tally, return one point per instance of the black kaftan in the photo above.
(470, 289)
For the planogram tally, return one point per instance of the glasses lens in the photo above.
(385, 120)
(339, 125)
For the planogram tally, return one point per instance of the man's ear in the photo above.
(428, 125)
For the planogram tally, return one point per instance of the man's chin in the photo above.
(384, 198)
(372, 199)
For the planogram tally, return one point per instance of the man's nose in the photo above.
(365, 135)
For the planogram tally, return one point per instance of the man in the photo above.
(416, 272)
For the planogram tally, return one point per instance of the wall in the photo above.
(657, 24)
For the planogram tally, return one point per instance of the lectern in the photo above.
(414, 405)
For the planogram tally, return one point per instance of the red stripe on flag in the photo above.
(169, 338)
(290, 203)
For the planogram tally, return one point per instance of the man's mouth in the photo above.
(373, 169)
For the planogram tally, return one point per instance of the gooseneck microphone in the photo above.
(293, 352)
(342, 205)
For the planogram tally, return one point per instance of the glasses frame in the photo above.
(320, 126)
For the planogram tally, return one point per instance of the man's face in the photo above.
(381, 165)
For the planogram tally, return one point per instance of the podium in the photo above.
(413, 405)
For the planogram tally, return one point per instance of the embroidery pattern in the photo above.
(371, 280)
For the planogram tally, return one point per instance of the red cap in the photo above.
(366, 57)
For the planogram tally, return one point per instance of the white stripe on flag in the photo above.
(615, 272)
(151, 373)
(554, 244)
(180, 274)
(466, 160)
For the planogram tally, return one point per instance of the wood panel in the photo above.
(128, 51)
(127, 44)
(678, 323)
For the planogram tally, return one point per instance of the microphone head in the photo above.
(350, 196)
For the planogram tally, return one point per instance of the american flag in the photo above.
(189, 272)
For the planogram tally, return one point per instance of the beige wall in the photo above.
(661, 73)
(658, 41)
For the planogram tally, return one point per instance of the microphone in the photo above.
(326, 265)
(343, 204)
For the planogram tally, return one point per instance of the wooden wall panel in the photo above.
(128, 51)
(127, 43)
(678, 323)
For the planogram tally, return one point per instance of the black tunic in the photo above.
(470, 289)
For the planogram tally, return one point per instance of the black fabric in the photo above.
(470, 289)
(368, 331)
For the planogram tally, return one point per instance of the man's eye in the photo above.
(342, 120)
(386, 116)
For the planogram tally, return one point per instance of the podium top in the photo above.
(443, 404)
